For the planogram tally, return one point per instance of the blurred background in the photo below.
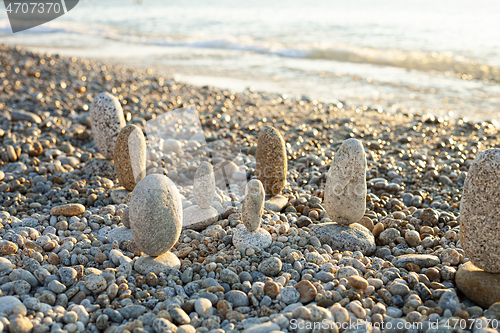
(439, 56)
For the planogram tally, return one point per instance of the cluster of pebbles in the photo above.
(281, 214)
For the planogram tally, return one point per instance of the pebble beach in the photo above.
(78, 246)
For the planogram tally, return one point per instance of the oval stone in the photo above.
(204, 185)
(480, 212)
(271, 160)
(106, 117)
(345, 189)
(155, 214)
(253, 205)
(130, 156)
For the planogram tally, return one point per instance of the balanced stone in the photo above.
(345, 189)
(155, 214)
(480, 212)
(271, 160)
(352, 237)
(68, 210)
(106, 117)
(253, 205)
(130, 156)
(481, 287)
(204, 185)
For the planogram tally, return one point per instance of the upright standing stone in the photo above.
(155, 214)
(204, 185)
(345, 190)
(252, 236)
(106, 117)
(130, 156)
(271, 160)
(480, 212)
(253, 205)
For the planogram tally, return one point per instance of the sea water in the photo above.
(439, 56)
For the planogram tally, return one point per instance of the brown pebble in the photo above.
(306, 290)
(433, 274)
(53, 259)
(100, 258)
(223, 307)
(68, 210)
(366, 222)
(377, 230)
(357, 282)
(151, 279)
(271, 289)
(7, 247)
(271, 160)
(413, 268)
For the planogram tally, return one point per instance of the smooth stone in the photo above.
(345, 188)
(172, 145)
(22, 115)
(276, 203)
(120, 234)
(130, 156)
(204, 185)
(5, 266)
(155, 214)
(237, 298)
(271, 160)
(121, 196)
(345, 237)
(481, 287)
(7, 303)
(197, 218)
(163, 263)
(480, 212)
(260, 238)
(68, 210)
(421, 260)
(253, 205)
(106, 117)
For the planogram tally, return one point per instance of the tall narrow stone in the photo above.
(345, 189)
(106, 118)
(271, 160)
(480, 212)
(253, 205)
(204, 185)
(130, 156)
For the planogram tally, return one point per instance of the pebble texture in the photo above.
(352, 237)
(106, 117)
(259, 238)
(130, 156)
(155, 214)
(253, 205)
(204, 185)
(481, 287)
(345, 189)
(271, 160)
(480, 212)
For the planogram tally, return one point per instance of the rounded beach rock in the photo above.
(155, 214)
(271, 160)
(130, 156)
(106, 117)
(253, 205)
(68, 210)
(480, 212)
(481, 287)
(162, 263)
(345, 189)
(352, 237)
(260, 238)
(204, 185)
